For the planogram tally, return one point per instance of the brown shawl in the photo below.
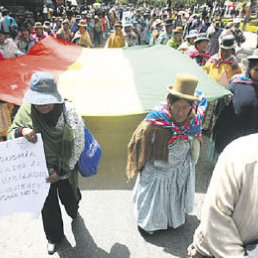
(149, 142)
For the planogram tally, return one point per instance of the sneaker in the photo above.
(51, 248)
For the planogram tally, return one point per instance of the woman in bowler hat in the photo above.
(162, 154)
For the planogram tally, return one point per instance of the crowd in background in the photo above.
(197, 32)
(91, 26)
(201, 35)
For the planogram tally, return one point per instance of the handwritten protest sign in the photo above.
(23, 173)
(126, 17)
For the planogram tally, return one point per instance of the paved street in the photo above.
(106, 227)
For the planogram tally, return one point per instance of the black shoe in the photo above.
(51, 248)
(145, 232)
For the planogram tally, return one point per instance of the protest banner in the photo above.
(23, 172)
(126, 17)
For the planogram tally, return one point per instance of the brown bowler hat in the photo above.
(118, 24)
(184, 86)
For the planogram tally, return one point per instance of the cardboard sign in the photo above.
(23, 173)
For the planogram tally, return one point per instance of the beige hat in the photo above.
(178, 30)
(59, 19)
(184, 86)
(118, 24)
(66, 21)
(38, 25)
(228, 42)
(46, 25)
(82, 23)
(158, 22)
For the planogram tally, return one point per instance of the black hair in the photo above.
(252, 63)
(197, 43)
(5, 12)
(173, 99)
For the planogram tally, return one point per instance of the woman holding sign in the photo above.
(62, 131)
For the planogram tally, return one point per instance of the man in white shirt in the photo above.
(229, 226)
(8, 48)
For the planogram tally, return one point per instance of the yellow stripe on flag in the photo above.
(101, 83)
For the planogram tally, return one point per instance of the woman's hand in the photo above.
(29, 134)
(228, 99)
(199, 138)
(54, 177)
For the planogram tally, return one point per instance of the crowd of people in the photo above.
(130, 26)
(164, 148)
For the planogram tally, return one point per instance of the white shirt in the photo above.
(9, 49)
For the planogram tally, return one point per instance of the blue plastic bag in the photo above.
(91, 154)
(90, 157)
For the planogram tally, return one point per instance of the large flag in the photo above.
(104, 82)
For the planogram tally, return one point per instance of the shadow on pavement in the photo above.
(85, 245)
(175, 241)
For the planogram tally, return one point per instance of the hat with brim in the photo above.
(192, 34)
(82, 24)
(184, 87)
(177, 30)
(168, 22)
(158, 22)
(201, 37)
(43, 90)
(46, 25)
(65, 21)
(228, 42)
(38, 25)
(254, 55)
(128, 24)
(118, 25)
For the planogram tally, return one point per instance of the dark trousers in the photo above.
(51, 212)
(97, 38)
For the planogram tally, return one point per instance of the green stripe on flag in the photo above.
(155, 68)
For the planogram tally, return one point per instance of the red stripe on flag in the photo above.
(48, 55)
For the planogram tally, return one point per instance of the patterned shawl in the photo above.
(243, 78)
(193, 52)
(161, 116)
(232, 61)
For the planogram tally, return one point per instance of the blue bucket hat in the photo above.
(43, 90)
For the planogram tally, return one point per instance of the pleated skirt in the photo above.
(164, 191)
